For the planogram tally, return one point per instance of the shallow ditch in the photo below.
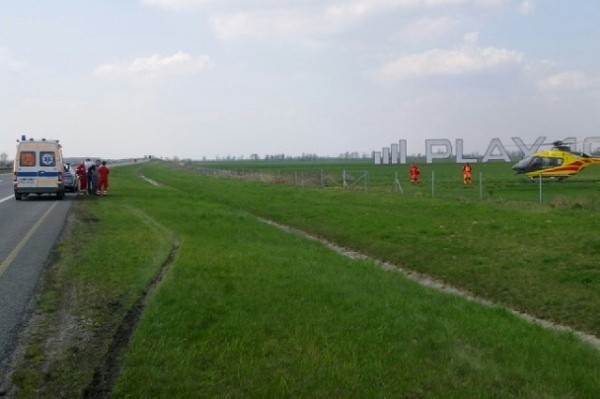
(106, 375)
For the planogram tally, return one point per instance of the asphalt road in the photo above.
(29, 230)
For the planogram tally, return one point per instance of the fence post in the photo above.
(540, 189)
(480, 186)
(397, 186)
(344, 179)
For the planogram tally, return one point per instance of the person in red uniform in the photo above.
(82, 174)
(414, 172)
(467, 172)
(103, 172)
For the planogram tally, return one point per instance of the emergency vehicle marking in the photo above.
(36, 174)
(27, 158)
(47, 158)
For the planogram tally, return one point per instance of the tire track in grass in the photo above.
(106, 375)
(425, 280)
(433, 283)
(149, 180)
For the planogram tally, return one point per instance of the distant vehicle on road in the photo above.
(70, 178)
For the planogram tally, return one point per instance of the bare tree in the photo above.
(3, 159)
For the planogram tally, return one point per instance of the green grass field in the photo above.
(247, 310)
(491, 181)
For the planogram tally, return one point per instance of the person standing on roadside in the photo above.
(103, 172)
(89, 173)
(82, 176)
(414, 173)
(96, 176)
(92, 173)
(467, 173)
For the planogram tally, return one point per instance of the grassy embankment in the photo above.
(102, 267)
(247, 310)
(541, 260)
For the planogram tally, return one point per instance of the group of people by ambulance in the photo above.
(93, 177)
(39, 169)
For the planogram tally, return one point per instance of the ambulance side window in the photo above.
(47, 158)
(27, 158)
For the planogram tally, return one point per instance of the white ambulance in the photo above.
(38, 168)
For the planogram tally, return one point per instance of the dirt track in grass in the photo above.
(433, 283)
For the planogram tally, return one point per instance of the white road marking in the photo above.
(6, 198)
(11, 257)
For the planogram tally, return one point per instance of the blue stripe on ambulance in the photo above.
(37, 174)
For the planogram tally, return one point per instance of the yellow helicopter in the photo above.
(559, 162)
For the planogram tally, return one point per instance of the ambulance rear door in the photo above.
(38, 169)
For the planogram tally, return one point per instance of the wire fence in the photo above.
(439, 181)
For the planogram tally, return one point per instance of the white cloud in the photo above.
(177, 4)
(263, 23)
(9, 62)
(571, 80)
(449, 62)
(282, 23)
(471, 38)
(426, 29)
(527, 7)
(323, 17)
(351, 11)
(153, 68)
(366, 7)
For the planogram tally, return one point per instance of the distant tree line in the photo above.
(351, 155)
(4, 162)
(284, 157)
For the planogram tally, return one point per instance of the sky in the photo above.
(194, 79)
